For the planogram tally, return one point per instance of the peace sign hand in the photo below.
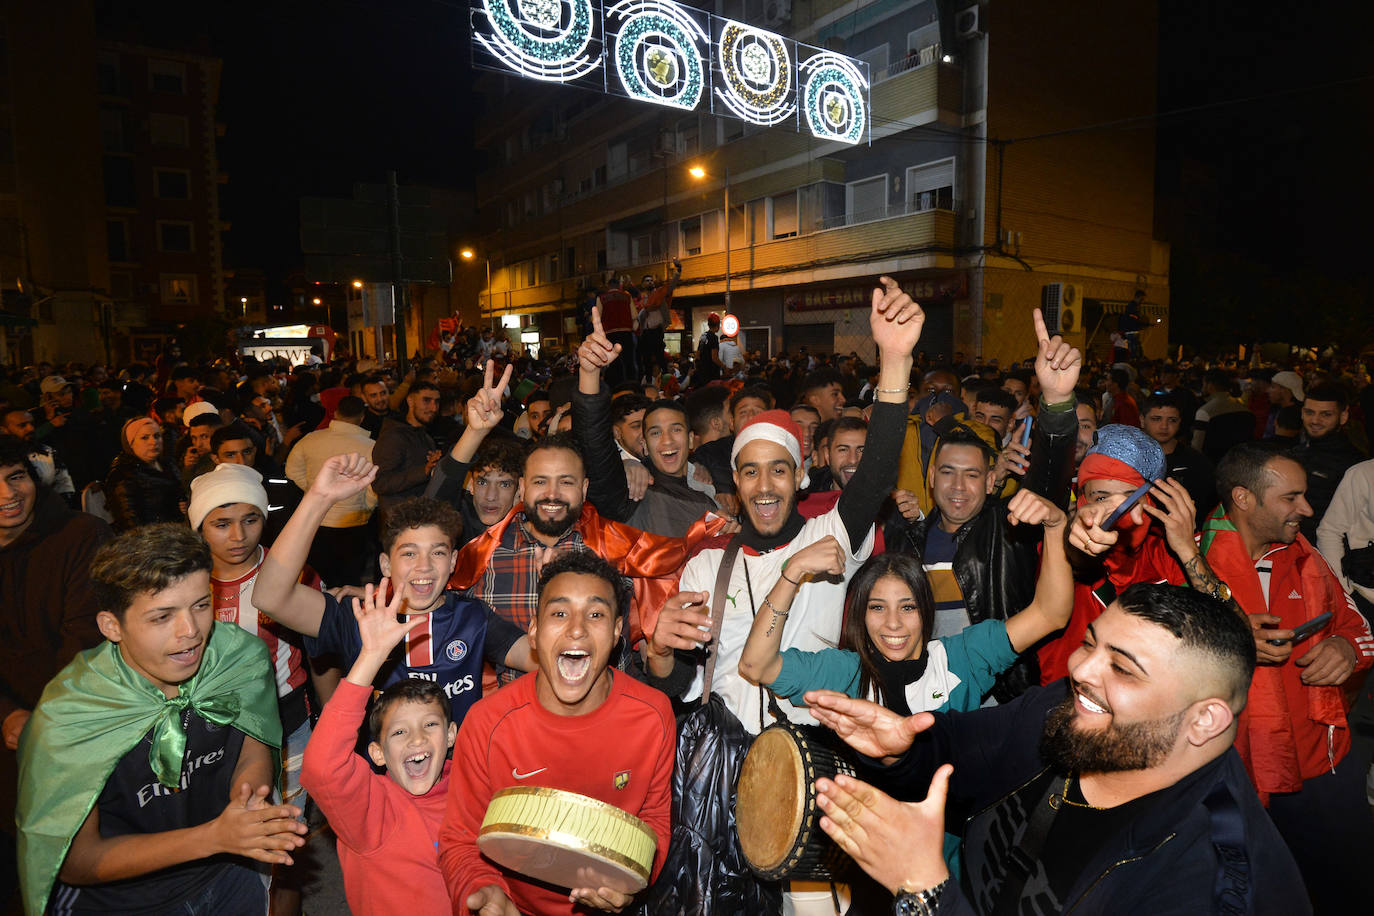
(484, 408)
(1056, 364)
(597, 352)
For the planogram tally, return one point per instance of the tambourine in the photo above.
(567, 840)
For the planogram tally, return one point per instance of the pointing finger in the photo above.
(596, 320)
(1042, 333)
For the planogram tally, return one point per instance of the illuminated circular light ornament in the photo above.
(658, 53)
(544, 39)
(834, 95)
(729, 325)
(758, 74)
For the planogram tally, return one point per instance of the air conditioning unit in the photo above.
(777, 12)
(1062, 306)
(966, 23)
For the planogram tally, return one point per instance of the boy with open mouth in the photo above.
(578, 725)
(388, 823)
(418, 536)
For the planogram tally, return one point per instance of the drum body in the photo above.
(776, 811)
(567, 840)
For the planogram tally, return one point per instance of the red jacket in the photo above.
(621, 753)
(387, 837)
(652, 561)
(1289, 732)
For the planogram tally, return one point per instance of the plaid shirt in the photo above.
(510, 584)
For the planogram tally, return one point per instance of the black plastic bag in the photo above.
(705, 873)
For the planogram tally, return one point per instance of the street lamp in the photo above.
(243, 300)
(468, 254)
(699, 173)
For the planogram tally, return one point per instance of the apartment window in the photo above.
(174, 237)
(647, 247)
(114, 131)
(601, 259)
(599, 177)
(178, 289)
(688, 137)
(876, 60)
(758, 219)
(617, 160)
(924, 41)
(117, 240)
(169, 130)
(167, 76)
(866, 200)
(173, 184)
(930, 186)
(691, 236)
(785, 215)
(120, 188)
(530, 205)
(729, 130)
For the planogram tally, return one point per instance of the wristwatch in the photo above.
(919, 903)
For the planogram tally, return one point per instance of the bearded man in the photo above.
(1114, 791)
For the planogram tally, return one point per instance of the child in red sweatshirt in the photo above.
(387, 825)
(575, 724)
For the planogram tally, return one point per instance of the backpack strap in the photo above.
(727, 566)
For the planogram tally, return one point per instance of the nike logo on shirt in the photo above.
(518, 775)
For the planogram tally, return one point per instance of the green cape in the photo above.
(98, 709)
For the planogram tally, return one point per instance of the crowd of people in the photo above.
(1093, 637)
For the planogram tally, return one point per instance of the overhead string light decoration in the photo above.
(658, 52)
(757, 71)
(834, 97)
(552, 40)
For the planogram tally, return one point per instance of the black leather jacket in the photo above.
(137, 493)
(995, 563)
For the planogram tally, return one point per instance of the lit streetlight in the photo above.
(467, 254)
(357, 284)
(315, 301)
(699, 173)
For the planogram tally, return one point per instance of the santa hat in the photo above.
(770, 426)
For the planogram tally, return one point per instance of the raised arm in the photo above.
(607, 488)
(760, 662)
(1057, 367)
(483, 414)
(278, 592)
(1049, 610)
(896, 321)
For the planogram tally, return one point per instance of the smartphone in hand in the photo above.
(1304, 631)
(1127, 504)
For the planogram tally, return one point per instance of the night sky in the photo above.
(1266, 197)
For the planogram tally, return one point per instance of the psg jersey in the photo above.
(447, 649)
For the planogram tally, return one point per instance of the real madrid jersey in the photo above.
(447, 649)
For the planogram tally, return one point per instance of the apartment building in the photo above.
(990, 186)
(109, 205)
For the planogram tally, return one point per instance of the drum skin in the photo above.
(567, 840)
(776, 811)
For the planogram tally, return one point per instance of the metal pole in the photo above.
(491, 317)
(727, 238)
(400, 299)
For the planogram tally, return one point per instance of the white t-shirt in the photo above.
(812, 624)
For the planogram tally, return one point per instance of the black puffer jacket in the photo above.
(994, 562)
(137, 493)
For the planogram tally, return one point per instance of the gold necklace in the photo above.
(1057, 797)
